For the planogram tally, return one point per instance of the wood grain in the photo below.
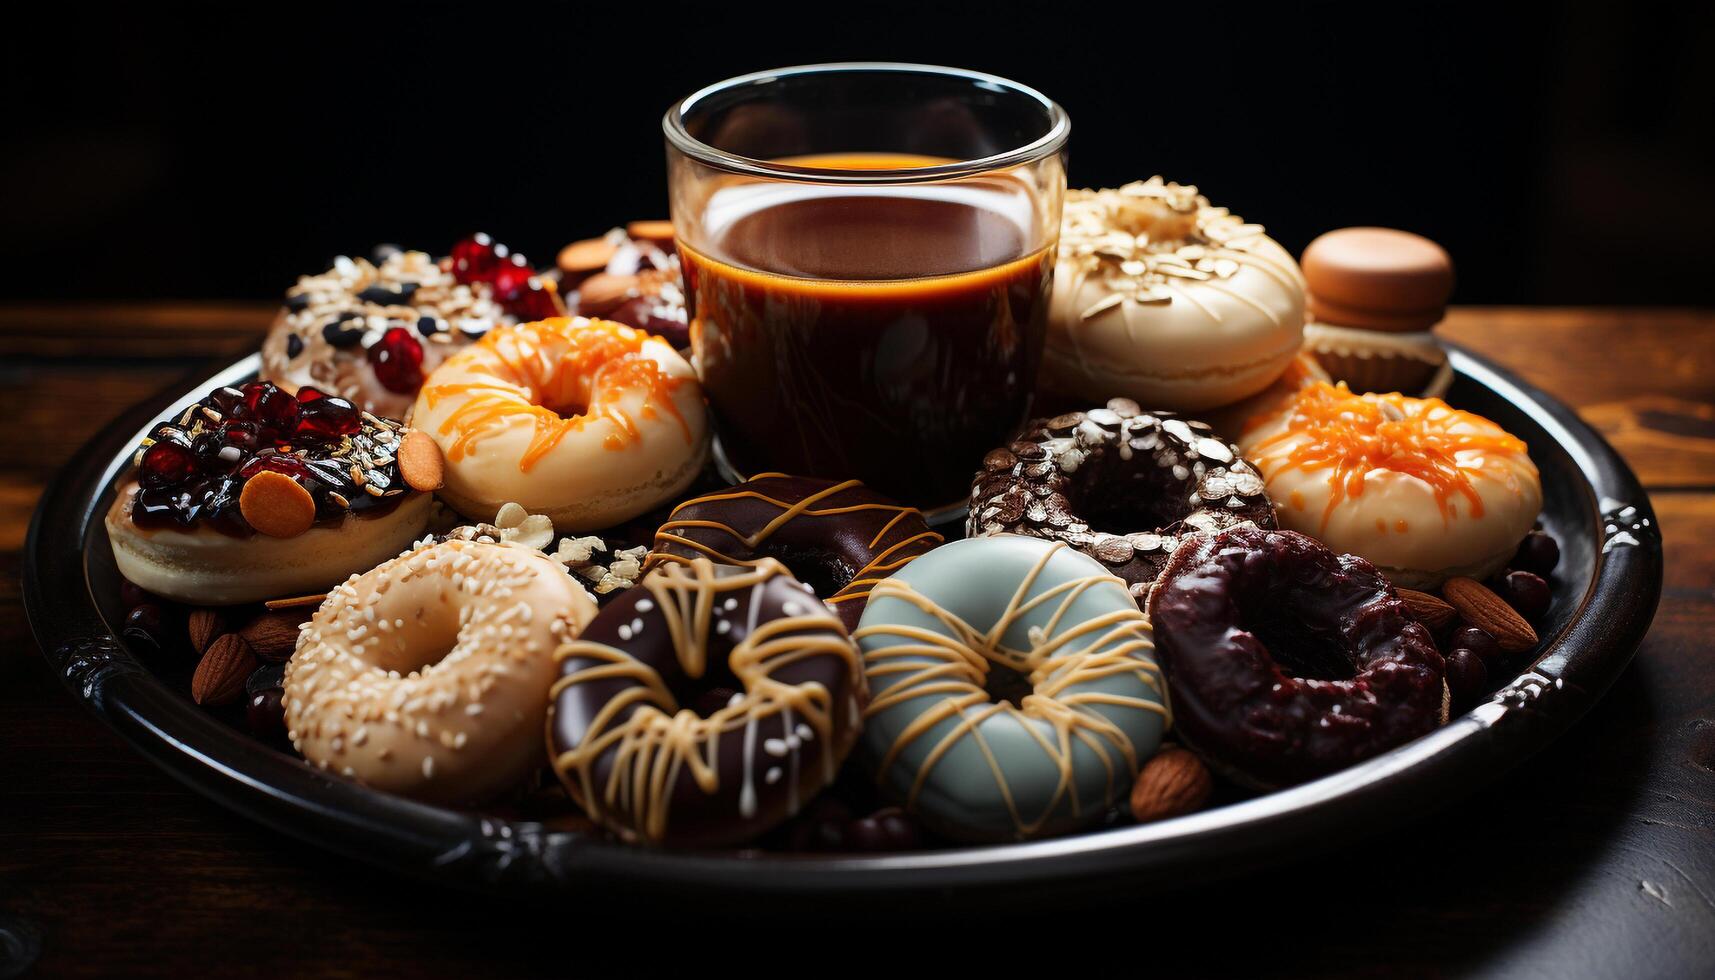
(1597, 859)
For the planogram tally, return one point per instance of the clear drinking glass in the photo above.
(868, 251)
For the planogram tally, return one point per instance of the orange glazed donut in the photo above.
(428, 675)
(590, 422)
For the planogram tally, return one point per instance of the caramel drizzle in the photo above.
(1354, 434)
(660, 739)
(1119, 642)
(556, 362)
(885, 562)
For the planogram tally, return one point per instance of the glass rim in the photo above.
(1050, 142)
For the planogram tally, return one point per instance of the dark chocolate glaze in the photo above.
(1121, 485)
(1286, 661)
(840, 537)
(751, 741)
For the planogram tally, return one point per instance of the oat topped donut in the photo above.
(1119, 484)
(371, 331)
(1162, 297)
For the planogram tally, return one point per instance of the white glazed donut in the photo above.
(590, 422)
(428, 675)
(1423, 490)
(1166, 300)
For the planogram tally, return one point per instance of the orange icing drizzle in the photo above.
(559, 361)
(1354, 434)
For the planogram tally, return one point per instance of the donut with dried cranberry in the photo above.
(252, 493)
(371, 331)
(1120, 484)
(705, 705)
(840, 537)
(1286, 661)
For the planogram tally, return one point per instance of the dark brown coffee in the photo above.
(890, 333)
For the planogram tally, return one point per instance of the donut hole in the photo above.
(426, 638)
(569, 409)
(1003, 683)
(1119, 497)
(822, 571)
(709, 693)
(1300, 648)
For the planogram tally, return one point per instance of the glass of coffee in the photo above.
(868, 251)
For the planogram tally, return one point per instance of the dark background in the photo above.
(1560, 152)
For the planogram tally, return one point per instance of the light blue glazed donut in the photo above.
(978, 769)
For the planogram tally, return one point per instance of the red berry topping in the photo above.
(477, 258)
(511, 280)
(307, 394)
(166, 463)
(326, 418)
(536, 303)
(398, 361)
(274, 412)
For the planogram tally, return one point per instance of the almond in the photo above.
(1174, 782)
(273, 635)
(603, 292)
(1489, 613)
(277, 505)
(1427, 609)
(220, 675)
(204, 626)
(585, 257)
(420, 461)
(659, 232)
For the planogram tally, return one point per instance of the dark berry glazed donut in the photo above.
(1119, 484)
(252, 493)
(706, 705)
(839, 537)
(1286, 661)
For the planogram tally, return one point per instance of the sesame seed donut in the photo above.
(705, 705)
(1421, 489)
(428, 675)
(590, 422)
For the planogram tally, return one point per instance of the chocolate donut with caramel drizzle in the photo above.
(944, 640)
(642, 761)
(841, 538)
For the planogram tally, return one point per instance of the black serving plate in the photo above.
(1605, 592)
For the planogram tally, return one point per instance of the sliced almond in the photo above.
(1482, 608)
(603, 292)
(220, 675)
(277, 505)
(1427, 609)
(297, 601)
(585, 257)
(659, 232)
(420, 461)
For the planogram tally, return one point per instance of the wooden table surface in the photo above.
(1595, 859)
